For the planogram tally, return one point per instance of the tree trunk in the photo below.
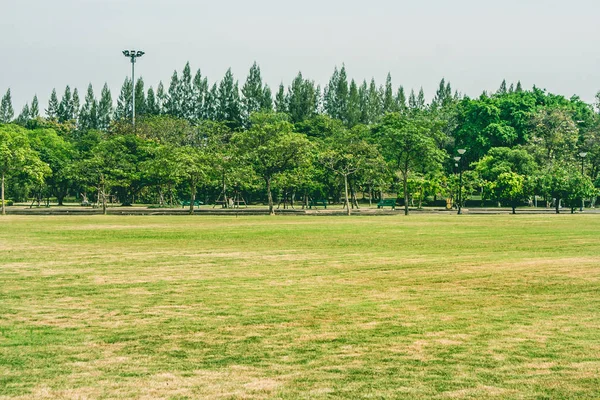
(557, 205)
(192, 198)
(405, 185)
(348, 212)
(3, 202)
(104, 212)
(514, 209)
(270, 196)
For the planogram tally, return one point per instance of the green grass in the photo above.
(472, 307)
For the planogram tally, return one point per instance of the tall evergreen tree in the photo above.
(388, 103)
(52, 110)
(105, 109)
(173, 104)
(34, 110)
(65, 108)
(330, 101)
(342, 95)
(267, 99)
(363, 96)
(421, 100)
(187, 100)
(124, 102)
(401, 100)
(88, 115)
(161, 98)
(301, 99)
(502, 89)
(374, 103)
(76, 104)
(210, 103)
(229, 107)
(412, 100)
(519, 88)
(353, 114)
(7, 112)
(151, 104)
(25, 116)
(280, 100)
(443, 95)
(252, 93)
(200, 91)
(140, 98)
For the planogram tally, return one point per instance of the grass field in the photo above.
(443, 307)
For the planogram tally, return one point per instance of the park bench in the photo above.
(316, 203)
(186, 203)
(387, 203)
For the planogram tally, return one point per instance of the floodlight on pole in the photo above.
(133, 55)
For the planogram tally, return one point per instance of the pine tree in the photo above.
(200, 91)
(34, 110)
(280, 100)
(363, 96)
(511, 89)
(52, 110)
(105, 109)
(502, 90)
(187, 100)
(161, 98)
(6, 109)
(301, 99)
(267, 99)
(252, 93)
(25, 116)
(412, 100)
(76, 104)
(124, 102)
(140, 98)
(330, 101)
(88, 115)
(401, 100)
(421, 100)
(210, 103)
(342, 95)
(151, 104)
(374, 103)
(354, 113)
(173, 103)
(229, 108)
(519, 88)
(389, 104)
(65, 108)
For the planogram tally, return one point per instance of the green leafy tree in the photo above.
(193, 165)
(409, 145)
(6, 109)
(271, 147)
(17, 156)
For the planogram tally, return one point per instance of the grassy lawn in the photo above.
(443, 307)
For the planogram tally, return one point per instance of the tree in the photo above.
(105, 109)
(140, 98)
(125, 101)
(281, 101)
(161, 98)
(173, 99)
(228, 108)
(76, 104)
(185, 90)
(16, 156)
(151, 103)
(409, 144)
(354, 113)
(346, 155)
(271, 147)
(252, 93)
(88, 115)
(200, 91)
(66, 112)
(23, 117)
(52, 110)
(6, 109)
(34, 110)
(562, 181)
(302, 99)
(389, 103)
(192, 164)
(554, 135)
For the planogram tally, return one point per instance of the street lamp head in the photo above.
(139, 53)
(582, 154)
(457, 159)
(461, 151)
(126, 53)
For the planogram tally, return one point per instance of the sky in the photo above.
(474, 44)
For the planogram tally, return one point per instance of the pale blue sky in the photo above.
(473, 44)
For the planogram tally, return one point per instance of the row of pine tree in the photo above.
(192, 98)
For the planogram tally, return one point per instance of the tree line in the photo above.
(337, 143)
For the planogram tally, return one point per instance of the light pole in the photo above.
(133, 55)
(459, 162)
(582, 155)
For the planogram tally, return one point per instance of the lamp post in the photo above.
(582, 155)
(133, 55)
(460, 184)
